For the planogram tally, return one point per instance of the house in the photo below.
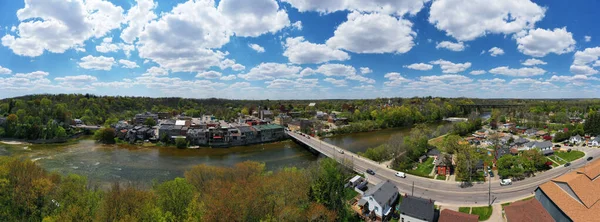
(321, 115)
(140, 119)
(575, 139)
(422, 158)
(77, 122)
(380, 199)
(543, 145)
(527, 146)
(282, 119)
(266, 115)
(453, 216)
(433, 152)
(208, 118)
(479, 166)
(248, 134)
(269, 132)
(541, 133)
(502, 151)
(197, 137)
(595, 141)
(530, 132)
(573, 196)
(519, 142)
(526, 211)
(443, 164)
(416, 209)
(300, 125)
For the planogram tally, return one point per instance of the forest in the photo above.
(244, 192)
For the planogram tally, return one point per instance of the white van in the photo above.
(505, 182)
(400, 174)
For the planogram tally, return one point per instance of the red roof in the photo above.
(527, 210)
(217, 137)
(453, 216)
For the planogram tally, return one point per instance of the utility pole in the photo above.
(490, 190)
(413, 189)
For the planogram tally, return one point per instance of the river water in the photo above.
(104, 164)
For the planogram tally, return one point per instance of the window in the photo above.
(376, 209)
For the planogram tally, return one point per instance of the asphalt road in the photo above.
(445, 192)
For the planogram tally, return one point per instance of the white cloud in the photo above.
(533, 62)
(541, 42)
(297, 25)
(128, 64)
(365, 70)
(239, 85)
(68, 25)
(97, 63)
(107, 46)
(169, 85)
(300, 51)
(157, 71)
(373, 33)
(477, 72)
(253, 18)
(229, 63)
(419, 66)
(588, 38)
(449, 79)
(125, 83)
(266, 71)
(287, 84)
(469, 19)
(495, 51)
(257, 48)
(450, 67)
(80, 79)
(32, 75)
(307, 72)
(395, 79)
(5, 70)
(583, 59)
(521, 72)
(453, 46)
(137, 17)
(577, 80)
(228, 78)
(209, 75)
(360, 79)
(336, 70)
(382, 6)
(336, 82)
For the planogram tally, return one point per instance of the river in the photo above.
(104, 164)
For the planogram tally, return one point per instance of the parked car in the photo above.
(369, 171)
(567, 164)
(569, 150)
(557, 145)
(341, 151)
(590, 158)
(401, 174)
(505, 182)
(491, 173)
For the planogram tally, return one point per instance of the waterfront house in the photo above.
(416, 209)
(526, 211)
(575, 139)
(270, 132)
(573, 196)
(453, 216)
(197, 137)
(380, 199)
(248, 134)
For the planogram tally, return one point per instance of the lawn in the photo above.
(464, 210)
(559, 161)
(441, 177)
(483, 212)
(423, 169)
(350, 193)
(570, 156)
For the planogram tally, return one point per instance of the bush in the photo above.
(181, 143)
(105, 135)
(379, 153)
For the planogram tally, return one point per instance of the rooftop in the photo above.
(268, 127)
(576, 193)
(418, 208)
(453, 216)
(527, 210)
(382, 192)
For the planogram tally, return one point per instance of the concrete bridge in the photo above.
(444, 192)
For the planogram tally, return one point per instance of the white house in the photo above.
(379, 199)
(545, 145)
(575, 139)
(416, 209)
(527, 146)
(595, 141)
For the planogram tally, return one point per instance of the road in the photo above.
(444, 192)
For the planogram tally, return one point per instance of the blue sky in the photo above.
(301, 49)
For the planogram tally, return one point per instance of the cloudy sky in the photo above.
(295, 49)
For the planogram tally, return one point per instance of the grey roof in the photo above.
(433, 152)
(244, 129)
(521, 140)
(530, 144)
(597, 139)
(418, 208)
(543, 144)
(267, 112)
(532, 130)
(577, 137)
(546, 152)
(382, 192)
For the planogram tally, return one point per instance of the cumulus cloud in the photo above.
(382, 6)
(228, 78)
(520, 72)
(253, 18)
(80, 79)
(477, 72)
(448, 78)
(256, 48)
(419, 66)
(97, 63)
(336, 70)
(453, 46)
(533, 62)
(32, 75)
(157, 71)
(128, 64)
(336, 82)
(541, 42)
(5, 71)
(577, 80)
(584, 60)
(229, 63)
(495, 51)
(588, 38)
(267, 71)
(300, 51)
(125, 83)
(137, 17)
(287, 83)
(450, 67)
(466, 20)
(373, 33)
(68, 25)
(365, 70)
(107, 46)
(209, 75)
(395, 79)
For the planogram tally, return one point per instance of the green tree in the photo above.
(327, 187)
(150, 122)
(174, 196)
(105, 135)
(111, 121)
(592, 124)
(181, 143)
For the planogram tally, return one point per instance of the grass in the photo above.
(423, 169)
(464, 210)
(483, 212)
(437, 142)
(350, 193)
(440, 177)
(570, 156)
(557, 160)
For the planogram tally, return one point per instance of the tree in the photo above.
(111, 121)
(451, 144)
(592, 124)
(510, 166)
(149, 122)
(245, 111)
(467, 160)
(174, 196)
(105, 135)
(181, 143)
(327, 187)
